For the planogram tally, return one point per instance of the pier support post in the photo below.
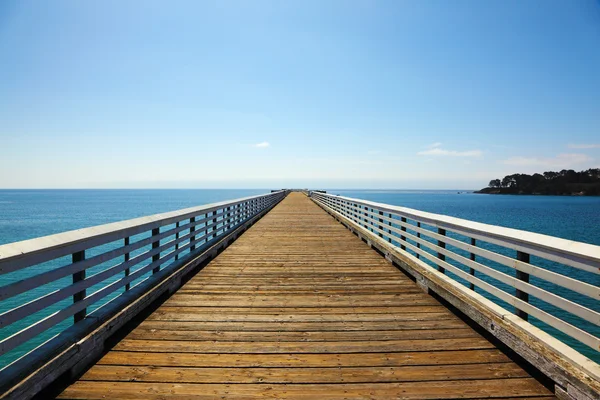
(78, 277)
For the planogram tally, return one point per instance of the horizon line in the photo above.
(233, 188)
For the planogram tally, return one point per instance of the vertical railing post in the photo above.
(419, 236)
(366, 218)
(523, 276)
(471, 270)
(127, 285)
(443, 246)
(380, 227)
(177, 242)
(214, 228)
(228, 218)
(78, 277)
(390, 230)
(193, 237)
(402, 238)
(155, 245)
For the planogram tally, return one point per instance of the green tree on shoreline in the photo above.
(565, 182)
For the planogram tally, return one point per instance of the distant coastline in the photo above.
(563, 183)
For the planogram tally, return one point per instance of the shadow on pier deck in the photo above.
(299, 307)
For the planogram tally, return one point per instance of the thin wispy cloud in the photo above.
(566, 160)
(436, 144)
(261, 145)
(585, 146)
(437, 151)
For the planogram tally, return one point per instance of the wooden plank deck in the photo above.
(298, 307)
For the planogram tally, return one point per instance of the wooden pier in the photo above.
(299, 307)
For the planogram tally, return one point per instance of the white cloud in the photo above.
(261, 145)
(560, 161)
(584, 146)
(436, 144)
(438, 151)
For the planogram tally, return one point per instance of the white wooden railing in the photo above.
(495, 261)
(54, 278)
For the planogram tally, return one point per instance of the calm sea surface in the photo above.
(26, 214)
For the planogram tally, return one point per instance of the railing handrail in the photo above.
(69, 242)
(576, 254)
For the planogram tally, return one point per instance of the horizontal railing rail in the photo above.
(479, 256)
(47, 280)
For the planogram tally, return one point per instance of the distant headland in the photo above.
(565, 183)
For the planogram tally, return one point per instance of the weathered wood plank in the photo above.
(190, 315)
(200, 309)
(296, 336)
(488, 388)
(446, 357)
(303, 326)
(116, 373)
(180, 346)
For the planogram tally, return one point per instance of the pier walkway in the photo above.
(299, 307)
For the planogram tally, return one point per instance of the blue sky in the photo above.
(362, 94)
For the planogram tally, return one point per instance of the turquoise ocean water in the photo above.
(26, 214)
